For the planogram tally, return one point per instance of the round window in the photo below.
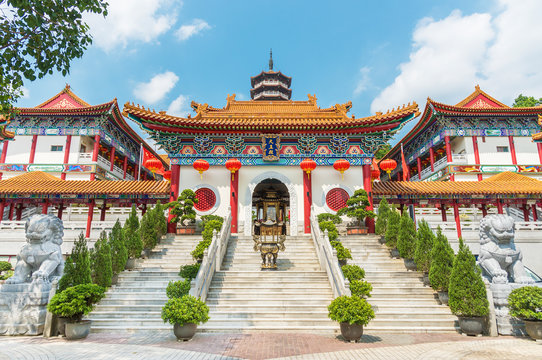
(336, 199)
(206, 199)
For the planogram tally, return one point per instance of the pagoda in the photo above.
(271, 85)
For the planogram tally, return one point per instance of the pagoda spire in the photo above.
(270, 84)
(271, 59)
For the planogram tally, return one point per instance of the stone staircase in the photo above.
(242, 298)
(135, 303)
(400, 300)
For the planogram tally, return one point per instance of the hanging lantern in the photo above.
(341, 165)
(388, 165)
(307, 166)
(153, 164)
(233, 165)
(167, 175)
(201, 165)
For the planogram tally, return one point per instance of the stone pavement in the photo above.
(163, 345)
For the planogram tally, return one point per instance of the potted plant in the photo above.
(183, 211)
(6, 271)
(332, 232)
(406, 240)
(442, 262)
(358, 286)
(119, 253)
(352, 313)
(73, 303)
(356, 208)
(382, 219)
(343, 254)
(148, 231)
(392, 231)
(525, 303)
(77, 268)
(185, 314)
(134, 246)
(424, 245)
(467, 292)
(101, 262)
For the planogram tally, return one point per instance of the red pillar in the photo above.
(66, 154)
(173, 194)
(307, 196)
(112, 158)
(125, 166)
(2, 207)
(11, 207)
(525, 213)
(95, 154)
(60, 209)
(538, 146)
(4, 154)
(45, 207)
(103, 210)
(484, 210)
(449, 157)
(535, 215)
(443, 211)
(476, 154)
(457, 219)
(89, 217)
(33, 149)
(432, 158)
(369, 222)
(419, 161)
(500, 209)
(234, 201)
(512, 149)
(19, 212)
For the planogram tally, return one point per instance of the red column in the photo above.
(33, 149)
(95, 154)
(4, 154)
(369, 222)
(103, 210)
(525, 212)
(307, 196)
(173, 194)
(476, 154)
(432, 158)
(535, 215)
(60, 209)
(2, 207)
(500, 209)
(112, 158)
(512, 149)
(89, 217)
(19, 212)
(45, 207)
(66, 154)
(538, 146)
(419, 161)
(125, 166)
(234, 201)
(484, 210)
(443, 212)
(457, 219)
(11, 207)
(449, 154)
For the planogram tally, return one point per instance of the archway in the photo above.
(271, 204)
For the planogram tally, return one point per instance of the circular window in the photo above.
(336, 199)
(206, 199)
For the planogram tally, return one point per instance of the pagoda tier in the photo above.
(270, 85)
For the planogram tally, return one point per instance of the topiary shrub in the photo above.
(148, 231)
(467, 292)
(356, 207)
(210, 226)
(336, 219)
(442, 256)
(182, 209)
(360, 288)
(353, 272)
(119, 253)
(382, 217)
(342, 252)
(189, 271)
(424, 245)
(332, 232)
(77, 268)
(134, 246)
(161, 219)
(6, 270)
(525, 303)
(197, 253)
(406, 240)
(206, 218)
(351, 309)
(101, 262)
(178, 289)
(185, 310)
(76, 301)
(392, 229)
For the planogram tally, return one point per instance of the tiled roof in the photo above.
(479, 92)
(37, 182)
(65, 92)
(506, 183)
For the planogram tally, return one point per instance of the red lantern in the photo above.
(388, 165)
(233, 165)
(307, 166)
(375, 172)
(201, 165)
(341, 165)
(153, 165)
(167, 175)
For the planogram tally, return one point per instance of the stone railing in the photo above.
(328, 259)
(212, 259)
(68, 225)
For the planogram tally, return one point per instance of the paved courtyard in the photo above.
(163, 345)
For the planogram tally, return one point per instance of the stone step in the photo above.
(268, 285)
(313, 301)
(276, 294)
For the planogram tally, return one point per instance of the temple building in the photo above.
(472, 140)
(270, 158)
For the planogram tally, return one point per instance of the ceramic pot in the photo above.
(443, 297)
(115, 279)
(394, 253)
(351, 332)
(184, 332)
(78, 330)
(342, 262)
(534, 329)
(410, 264)
(130, 264)
(471, 325)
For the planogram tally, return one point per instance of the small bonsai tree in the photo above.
(189, 271)
(178, 289)
(424, 245)
(382, 218)
(206, 218)
(332, 231)
(76, 301)
(351, 309)
(77, 269)
(342, 252)
(119, 253)
(182, 209)
(525, 303)
(102, 264)
(356, 207)
(442, 260)
(355, 275)
(131, 235)
(336, 219)
(185, 310)
(467, 291)
(392, 229)
(406, 240)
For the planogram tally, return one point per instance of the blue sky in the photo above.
(380, 54)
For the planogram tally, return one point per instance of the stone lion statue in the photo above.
(40, 260)
(499, 259)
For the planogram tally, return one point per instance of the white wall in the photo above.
(74, 150)
(526, 151)
(488, 151)
(458, 145)
(19, 150)
(44, 155)
(327, 178)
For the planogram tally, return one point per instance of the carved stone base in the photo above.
(506, 325)
(23, 308)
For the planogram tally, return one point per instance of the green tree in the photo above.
(182, 209)
(77, 269)
(526, 101)
(148, 230)
(467, 291)
(392, 230)
(424, 245)
(384, 149)
(382, 218)
(131, 235)
(38, 37)
(356, 207)
(119, 253)
(406, 240)
(102, 264)
(161, 219)
(442, 260)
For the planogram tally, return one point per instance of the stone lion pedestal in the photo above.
(24, 296)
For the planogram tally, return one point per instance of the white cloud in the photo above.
(132, 20)
(180, 106)
(153, 91)
(26, 92)
(187, 31)
(364, 80)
